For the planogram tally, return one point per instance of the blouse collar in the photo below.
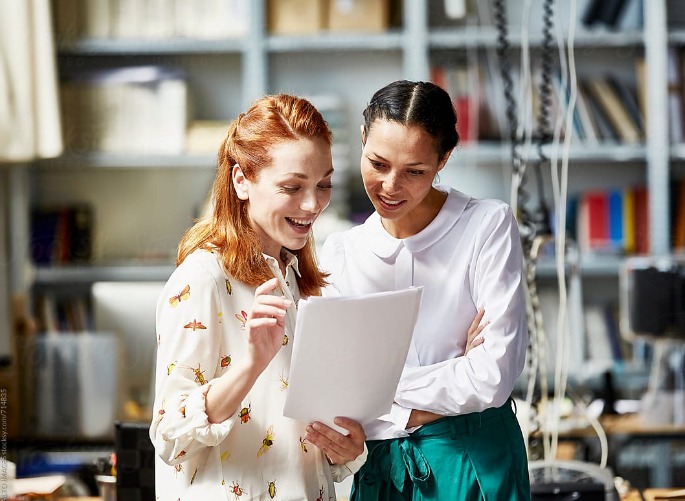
(385, 245)
(287, 257)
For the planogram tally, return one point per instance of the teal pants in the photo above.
(479, 456)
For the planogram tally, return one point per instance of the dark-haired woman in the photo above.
(452, 433)
(226, 318)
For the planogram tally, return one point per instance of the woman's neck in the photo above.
(419, 218)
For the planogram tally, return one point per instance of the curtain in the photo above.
(29, 105)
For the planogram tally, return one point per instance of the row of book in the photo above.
(140, 109)
(152, 19)
(607, 108)
(616, 221)
(61, 235)
(610, 221)
(55, 313)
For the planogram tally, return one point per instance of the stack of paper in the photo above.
(348, 355)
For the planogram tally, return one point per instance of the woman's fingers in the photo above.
(476, 322)
(267, 305)
(476, 327)
(339, 448)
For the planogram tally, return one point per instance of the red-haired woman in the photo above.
(227, 314)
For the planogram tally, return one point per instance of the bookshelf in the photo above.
(227, 74)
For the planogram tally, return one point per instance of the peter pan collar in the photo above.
(385, 245)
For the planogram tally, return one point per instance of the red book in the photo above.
(438, 77)
(597, 220)
(462, 107)
(641, 204)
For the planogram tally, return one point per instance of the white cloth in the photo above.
(29, 105)
(201, 460)
(468, 257)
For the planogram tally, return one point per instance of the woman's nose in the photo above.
(310, 203)
(390, 182)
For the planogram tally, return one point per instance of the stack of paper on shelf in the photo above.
(151, 19)
(125, 110)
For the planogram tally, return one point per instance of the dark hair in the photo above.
(423, 104)
(269, 121)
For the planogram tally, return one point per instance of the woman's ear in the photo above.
(239, 182)
(444, 160)
(362, 129)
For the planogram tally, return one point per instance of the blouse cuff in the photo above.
(341, 471)
(196, 422)
(400, 416)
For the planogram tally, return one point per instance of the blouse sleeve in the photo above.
(485, 377)
(332, 261)
(189, 337)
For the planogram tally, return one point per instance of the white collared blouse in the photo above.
(469, 257)
(255, 454)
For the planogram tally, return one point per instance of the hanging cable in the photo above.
(535, 224)
(520, 200)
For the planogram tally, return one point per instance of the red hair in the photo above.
(228, 230)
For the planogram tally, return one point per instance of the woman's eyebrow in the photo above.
(300, 175)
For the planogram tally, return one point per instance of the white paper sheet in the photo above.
(348, 355)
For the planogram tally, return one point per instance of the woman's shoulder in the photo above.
(490, 207)
(202, 266)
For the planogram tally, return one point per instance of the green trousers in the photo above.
(479, 456)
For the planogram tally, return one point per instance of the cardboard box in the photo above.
(295, 17)
(358, 15)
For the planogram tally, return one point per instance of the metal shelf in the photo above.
(100, 160)
(677, 36)
(589, 266)
(486, 37)
(127, 161)
(678, 151)
(495, 153)
(136, 46)
(85, 274)
(343, 42)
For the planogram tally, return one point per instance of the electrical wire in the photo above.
(569, 86)
(520, 198)
(564, 122)
(524, 133)
(534, 234)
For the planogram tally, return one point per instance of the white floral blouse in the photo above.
(255, 454)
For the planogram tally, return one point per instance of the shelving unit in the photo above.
(265, 63)
(232, 73)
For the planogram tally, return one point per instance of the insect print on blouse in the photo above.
(170, 368)
(194, 325)
(267, 442)
(192, 479)
(225, 361)
(181, 296)
(178, 469)
(180, 454)
(236, 489)
(284, 382)
(272, 489)
(225, 455)
(199, 374)
(160, 415)
(182, 410)
(285, 339)
(242, 318)
(229, 289)
(320, 498)
(303, 444)
(244, 414)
